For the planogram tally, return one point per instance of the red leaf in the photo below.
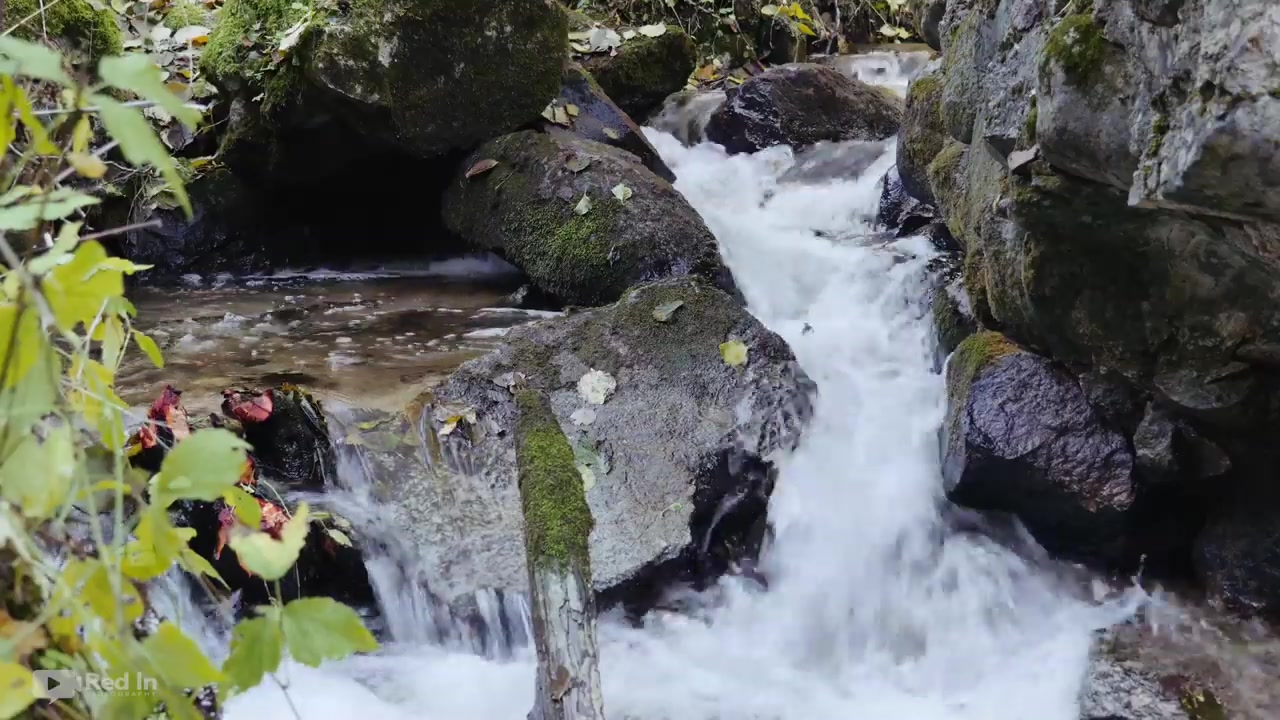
(247, 407)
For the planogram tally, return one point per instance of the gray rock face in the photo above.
(530, 208)
(799, 105)
(675, 460)
(1021, 438)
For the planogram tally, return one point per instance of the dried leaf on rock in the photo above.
(577, 163)
(481, 167)
(652, 30)
(583, 416)
(664, 311)
(596, 386)
(584, 205)
(588, 478)
(622, 192)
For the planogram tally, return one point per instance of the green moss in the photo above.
(972, 355)
(182, 14)
(548, 241)
(975, 283)
(946, 180)
(243, 25)
(557, 520)
(73, 21)
(923, 133)
(1202, 705)
(950, 323)
(645, 70)
(1159, 128)
(1077, 46)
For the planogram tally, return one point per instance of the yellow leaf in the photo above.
(87, 165)
(17, 690)
(37, 475)
(734, 353)
(82, 134)
(806, 29)
(798, 12)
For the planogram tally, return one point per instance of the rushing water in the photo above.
(875, 607)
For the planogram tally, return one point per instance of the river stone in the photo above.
(675, 460)
(597, 118)
(802, 104)
(1237, 555)
(529, 208)
(645, 70)
(1021, 438)
(424, 76)
(922, 135)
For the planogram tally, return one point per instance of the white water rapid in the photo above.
(875, 608)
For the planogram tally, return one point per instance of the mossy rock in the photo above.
(530, 209)
(73, 25)
(423, 76)
(1077, 46)
(923, 135)
(645, 70)
(681, 431)
(1021, 438)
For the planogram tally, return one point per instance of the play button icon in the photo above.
(55, 684)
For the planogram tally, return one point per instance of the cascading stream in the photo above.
(875, 608)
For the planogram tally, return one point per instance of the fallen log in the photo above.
(557, 527)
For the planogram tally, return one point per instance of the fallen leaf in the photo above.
(603, 40)
(450, 425)
(338, 537)
(769, 10)
(622, 192)
(583, 416)
(652, 30)
(806, 30)
(571, 109)
(577, 163)
(560, 116)
(87, 165)
(628, 34)
(611, 134)
(510, 381)
(734, 353)
(596, 386)
(194, 34)
(582, 35)
(160, 33)
(588, 478)
(584, 205)
(581, 48)
(481, 167)
(663, 312)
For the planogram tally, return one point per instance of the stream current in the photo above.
(876, 608)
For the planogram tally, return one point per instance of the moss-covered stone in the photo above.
(946, 181)
(645, 70)
(1029, 126)
(951, 321)
(530, 209)
(234, 58)
(184, 13)
(74, 22)
(557, 521)
(962, 77)
(923, 135)
(974, 353)
(1077, 46)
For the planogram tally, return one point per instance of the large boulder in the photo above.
(553, 206)
(645, 70)
(596, 117)
(424, 77)
(922, 135)
(85, 30)
(802, 104)
(1022, 439)
(673, 443)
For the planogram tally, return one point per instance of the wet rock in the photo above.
(1112, 396)
(928, 15)
(799, 105)
(1021, 438)
(599, 119)
(1153, 444)
(675, 459)
(424, 77)
(901, 211)
(1237, 554)
(952, 315)
(1120, 688)
(922, 135)
(645, 70)
(287, 430)
(530, 209)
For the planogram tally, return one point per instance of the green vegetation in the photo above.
(75, 22)
(1076, 44)
(557, 521)
(66, 601)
